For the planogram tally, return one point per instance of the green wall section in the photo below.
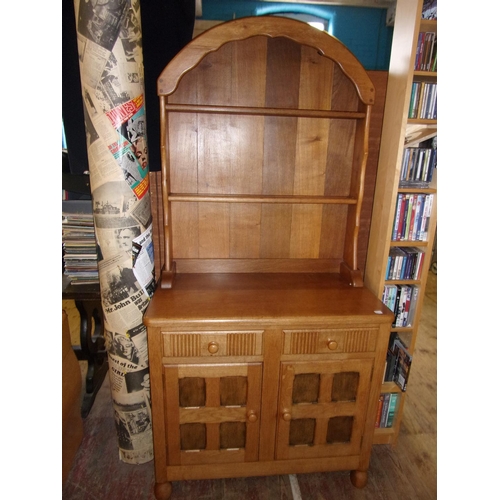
(363, 30)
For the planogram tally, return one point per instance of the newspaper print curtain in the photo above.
(109, 42)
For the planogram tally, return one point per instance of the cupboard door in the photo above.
(322, 408)
(212, 413)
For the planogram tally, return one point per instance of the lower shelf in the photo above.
(384, 436)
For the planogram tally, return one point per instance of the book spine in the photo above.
(418, 52)
(385, 410)
(413, 305)
(409, 293)
(408, 212)
(418, 217)
(425, 56)
(433, 103)
(393, 298)
(403, 266)
(397, 305)
(413, 215)
(379, 411)
(432, 165)
(402, 305)
(417, 86)
(425, 208)
(403, 365)
(411, 161)
(390, 360)
(397, 217)
(405, 165)
(425, 231)
(431, 52)
(388, 268)
(435, 59)
(425, 169)
(422, 98)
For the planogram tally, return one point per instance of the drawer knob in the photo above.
(213, 347)
(252, 416)
(287, 416)
(332, 345)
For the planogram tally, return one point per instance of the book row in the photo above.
(402, 301)
(387, 408)
(426, 55)
(417, 166)
(398, 362)
(412, 217)
(404, 263)
(423, 101)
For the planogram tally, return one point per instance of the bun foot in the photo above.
(359, 478)
(163, 490)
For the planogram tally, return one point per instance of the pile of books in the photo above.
(79, 242)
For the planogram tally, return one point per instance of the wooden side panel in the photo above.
(379, 79)
(157, 214)
(338, 166)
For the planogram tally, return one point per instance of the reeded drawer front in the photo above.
(330, 341)
(196, 344)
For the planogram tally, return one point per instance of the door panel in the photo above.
(212, 412)
(322, 408)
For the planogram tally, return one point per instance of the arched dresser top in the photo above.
(240, 29)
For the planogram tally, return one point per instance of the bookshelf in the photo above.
(398, 133)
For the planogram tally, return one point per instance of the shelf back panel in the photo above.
(213, 152)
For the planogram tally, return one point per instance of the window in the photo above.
(315, 16)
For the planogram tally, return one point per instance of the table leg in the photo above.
(92, 350)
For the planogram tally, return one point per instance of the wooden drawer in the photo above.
(212, 344)
(330, 341)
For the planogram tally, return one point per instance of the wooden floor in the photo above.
(407, 471)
